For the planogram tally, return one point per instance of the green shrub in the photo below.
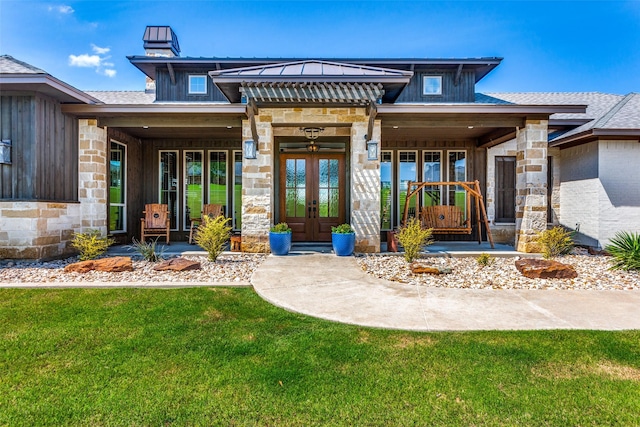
(281, 227)
(342, 229)
(413, 238)
(625, 250)
(555, 242)
(148, 251)
(484, 260)
(91, 244)
(212, 235)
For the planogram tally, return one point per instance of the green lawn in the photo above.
(224, 357)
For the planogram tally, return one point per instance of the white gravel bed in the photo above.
(593, 273)
(227, 268)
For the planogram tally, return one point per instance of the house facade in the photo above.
(312, 142)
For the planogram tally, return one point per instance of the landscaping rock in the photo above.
(545, 269)
(421, 268)
(109, 265)
(177, 264)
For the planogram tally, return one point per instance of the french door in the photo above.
(312, 198)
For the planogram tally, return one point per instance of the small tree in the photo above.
(555, 242)
(212, 235)
(91, 244)
(413, 238)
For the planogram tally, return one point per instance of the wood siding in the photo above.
(167, 91)
(44, 150)
(464, 91)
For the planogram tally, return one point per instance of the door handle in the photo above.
(314, 212)
(309, 211)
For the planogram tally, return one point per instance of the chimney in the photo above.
(159, 41)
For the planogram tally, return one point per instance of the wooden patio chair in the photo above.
(156, 221)
(211, 210)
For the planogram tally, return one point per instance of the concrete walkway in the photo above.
(335, 288)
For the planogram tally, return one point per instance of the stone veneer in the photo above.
(531, 184)
(258, 180)
(92, 176)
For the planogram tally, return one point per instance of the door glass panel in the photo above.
(334, 200)
(407, 171)
(169, 184)
(218, 179)
(431, 168)
(457, 172)
(117, 187)
(386, 180)
(328, 182)
(193, 186)
(295, 187)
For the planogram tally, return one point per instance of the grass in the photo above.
(224, 357)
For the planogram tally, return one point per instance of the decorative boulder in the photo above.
(177, 264)
(545, 269)
(421, 268)
(109, 265)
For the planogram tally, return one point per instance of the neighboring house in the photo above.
(336, 140)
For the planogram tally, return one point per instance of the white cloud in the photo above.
(100, 50)
(64, 9)
(84, 60)
(97, 60)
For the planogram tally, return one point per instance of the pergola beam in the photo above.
(195, 121)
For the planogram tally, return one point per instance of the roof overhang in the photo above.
(595, 134)
(47, 85)
(480, 109)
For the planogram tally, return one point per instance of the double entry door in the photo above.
(312, 194)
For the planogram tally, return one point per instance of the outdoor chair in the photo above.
(211, 211)
(156, 221)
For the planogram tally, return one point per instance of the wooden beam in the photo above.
(456, 121)
(373, 111)
(172, 74)
(252, 110)
(178, 121)
(496, 137)
(456, 81)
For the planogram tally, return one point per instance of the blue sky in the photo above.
(547, 46)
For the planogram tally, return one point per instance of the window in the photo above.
(407, 171)
(505, 189)
(218, 179)
(197, 84)
(549, 189)
(431, 171)
(169, 184)
(193, 188)
(457, 172)
(386, 189)
(117, 187)
(432, 85)
(237, 190)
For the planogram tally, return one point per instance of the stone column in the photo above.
(257, 187)
(365, 188)
(92, 176)
(531, 184)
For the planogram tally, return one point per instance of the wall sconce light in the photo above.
(5, 151)
(372, 150)
(250, 149)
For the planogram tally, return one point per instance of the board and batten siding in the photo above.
(166, 90)
(44, 149)
(464, 91)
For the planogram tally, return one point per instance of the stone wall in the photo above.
(37, 230)
(92, 175)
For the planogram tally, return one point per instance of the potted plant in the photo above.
(343, 239)
(280, 239)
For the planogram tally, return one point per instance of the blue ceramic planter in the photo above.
(280, 243)
(343, 243)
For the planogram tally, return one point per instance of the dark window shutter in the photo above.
(505, 189)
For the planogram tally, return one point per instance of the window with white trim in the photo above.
(432, 85)
(197, 84)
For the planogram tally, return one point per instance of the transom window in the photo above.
(197, 84)
(432, 85)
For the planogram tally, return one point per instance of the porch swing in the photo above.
(449, 219)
